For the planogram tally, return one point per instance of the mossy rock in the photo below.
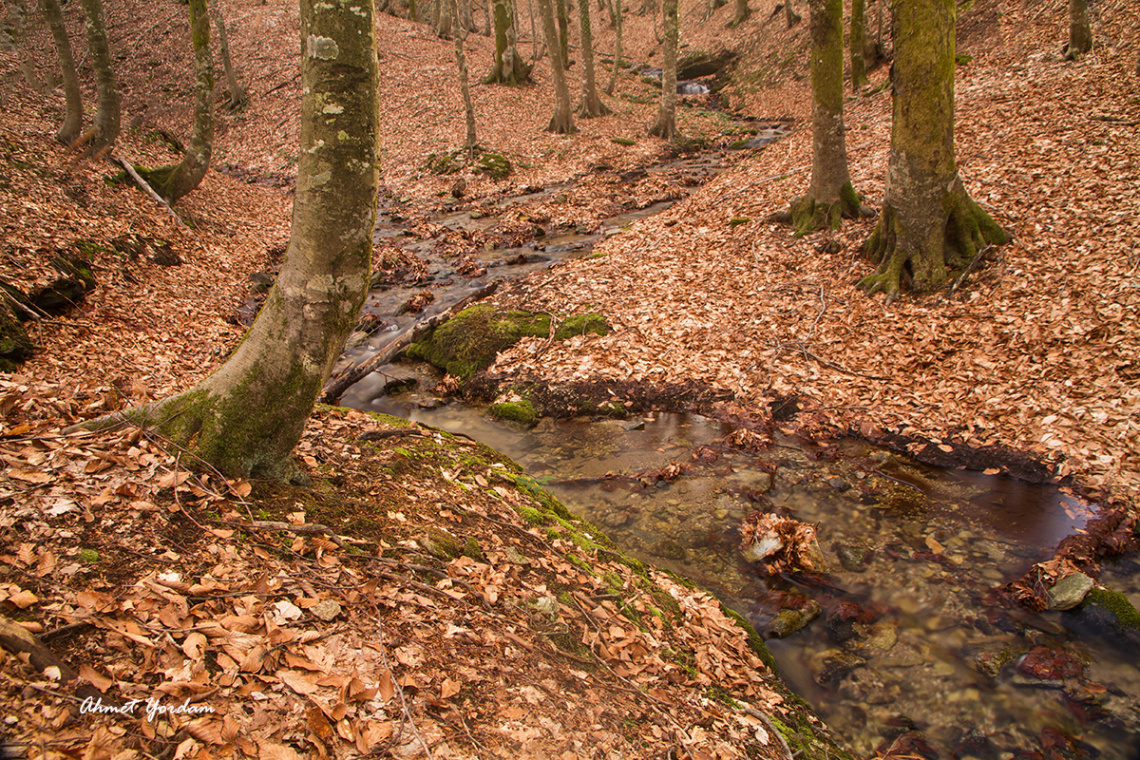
(494, 165)
(446, 163)
(1116, 607)
(522, 412)
(623, 141)
(469, 341)
(64, 292)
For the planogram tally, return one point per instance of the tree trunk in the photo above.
(1080, 33)
(591, 105)
(246, 418)
(742, 13)
(175, 182)
(617, 51)
(106, 128)
(563, 121)
(831, 196)
(445, 19)
(464, 85)
(238, 97)
(12, 30)
(509, 66)
(929, 224)
(563, 17)
(790, 15)
(73, 119)
(666, 125)
(856, 45)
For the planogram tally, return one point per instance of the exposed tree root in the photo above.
(809, 215)
(904, 254)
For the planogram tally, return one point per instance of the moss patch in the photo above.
(522, 412)
(1124, 615)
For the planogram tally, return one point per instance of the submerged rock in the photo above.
(789, 621)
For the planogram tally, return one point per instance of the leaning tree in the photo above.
(174, 182)
(102, 136)
(929, 224)
(73, 119)
(246, 418)
(831, 196)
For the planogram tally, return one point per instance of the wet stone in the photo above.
(839, 484)
(831, 665)
(1070, 591)
(853, 558)
(616, 519)
(789, 621)
(669, 549)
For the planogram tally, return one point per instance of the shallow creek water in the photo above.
(903, 646)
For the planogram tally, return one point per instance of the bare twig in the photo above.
(340, 541)
(395, 682)
(768, 722)
(146, 188)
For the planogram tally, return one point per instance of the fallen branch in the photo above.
(146, 188)
(289, 527)
(336, 386)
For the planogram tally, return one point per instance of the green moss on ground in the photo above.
(1125, 615)
(522, 412)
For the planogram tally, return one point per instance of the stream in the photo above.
(892, 644)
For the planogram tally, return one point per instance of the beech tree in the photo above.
(509, 67)
(856, 44)
(831, 196)
(236, 94)
(72, 124)
(742, 13)
(13, 29)
(102, 136)
(666, 124)
(563, 121)
(246, 418)
(174, 182)
(617, 49)
(929, 224)
(591, 104)
(1080, 32)
(470, 143)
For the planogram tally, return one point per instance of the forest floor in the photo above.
(462, 614)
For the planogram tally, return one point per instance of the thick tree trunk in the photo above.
(509, 66)
(790, 14)
(106, 128)
(73, 118)
(175, 182)
(1080, 32)
(666, 124)
(246, 418)
(444, 19)
(617, 49)
(563, 121)
(563, 17)
(831, 196)
(238, 97)
(856, 45)
(470, 142)
(591, 104)
(929, 224)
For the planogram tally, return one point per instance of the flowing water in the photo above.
(903, 651)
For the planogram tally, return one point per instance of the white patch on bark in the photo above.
(316, 146)
(320, 179)
(324, 48)
(358, 11)
(332, 108)
(342, 135)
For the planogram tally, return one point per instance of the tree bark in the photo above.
(106, 129)
(175, 182)
(1080, 32)
(591, 104)
(856, 45)
(509, 67)
(617, 49)
(238, 97)
(72, 124)
(790, 15)
(929, 224)
(563, 121)
(666, 125)
(445, 19)
(563, 17)
(470, 143)
(12, 30)
(742, 13)
(246, 418)
(831, 196)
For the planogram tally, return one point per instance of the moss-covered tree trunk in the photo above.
(856, 45)
(175, 182)
(666, 124)
(929, 224)
(107, 115)
(73, 117)
(1080, 31)
(563, 120)
(444, 19)
(246, 418)
(591, 104)
(831, 196)
(470, 142)
(13, 29)
(509, 66)
(617, 49)
(237, 95)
